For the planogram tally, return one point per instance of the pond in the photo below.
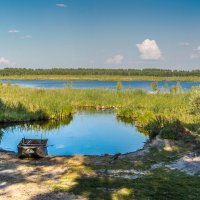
(88, 133)
(97, 84)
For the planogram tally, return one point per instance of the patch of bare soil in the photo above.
(14, 190)
(29, 179)
(190, 164)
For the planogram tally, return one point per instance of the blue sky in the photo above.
(100, 33)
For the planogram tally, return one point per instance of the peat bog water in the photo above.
(88, 133)
(84, 84)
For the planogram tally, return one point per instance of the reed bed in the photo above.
(27, 104)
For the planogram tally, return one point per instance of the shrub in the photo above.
(168, 132)
(154, 127)
(119, 86)
(154, 86)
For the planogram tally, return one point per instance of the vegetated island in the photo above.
(168, 166)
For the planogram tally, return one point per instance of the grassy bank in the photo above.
(100, 77)
(149, 111)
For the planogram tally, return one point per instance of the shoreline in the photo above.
(101, 78)
(60, 177)
(133, 153)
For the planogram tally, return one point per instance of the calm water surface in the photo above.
(87, 133)
(96, 84)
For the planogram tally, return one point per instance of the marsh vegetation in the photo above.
(149, 111)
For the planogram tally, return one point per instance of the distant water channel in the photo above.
(88, 133)
(97, 84)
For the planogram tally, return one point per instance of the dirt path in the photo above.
(13, 189)
(29, 179)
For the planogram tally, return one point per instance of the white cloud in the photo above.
(184, 44)
(4, 61)
(196, 53)
(149, 50)
(117, 59)
(13, 31)
(61, 5)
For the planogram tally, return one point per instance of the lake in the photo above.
(97, 84)
(88, 133)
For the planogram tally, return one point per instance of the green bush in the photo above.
(168, 132)
(154, 86)
(119, 86)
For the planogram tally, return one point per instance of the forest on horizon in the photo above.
(98, 71)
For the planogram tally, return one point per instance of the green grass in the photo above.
(100, 77)
(148, 111)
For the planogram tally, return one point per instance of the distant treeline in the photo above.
(89, 71)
